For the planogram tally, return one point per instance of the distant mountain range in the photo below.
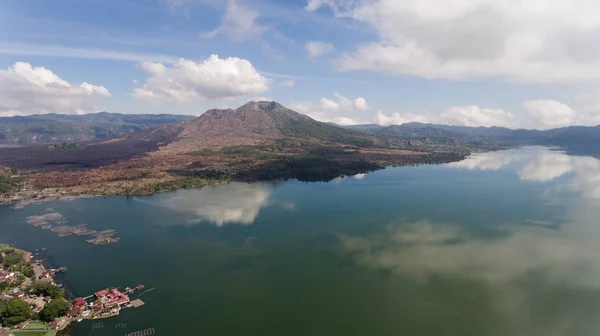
(443, 134)
(57, 128)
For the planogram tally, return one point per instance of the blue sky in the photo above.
(479, 62)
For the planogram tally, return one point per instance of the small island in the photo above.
(32, 302)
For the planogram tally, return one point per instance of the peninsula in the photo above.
(31, 300)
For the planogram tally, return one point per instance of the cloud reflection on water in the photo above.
(221, 204)
(425, 249)
(484, 161)
(543, 165)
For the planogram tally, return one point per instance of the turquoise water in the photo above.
(503, 243)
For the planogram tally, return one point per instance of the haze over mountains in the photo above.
(268, 124)
(566, 136)
(256, 121)
(257, 141)
(56, 128)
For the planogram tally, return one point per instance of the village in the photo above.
(31, 300)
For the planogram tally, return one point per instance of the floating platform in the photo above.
(145, 332)
(137, 303)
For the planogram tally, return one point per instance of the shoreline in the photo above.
(104, 304)
(31, 196)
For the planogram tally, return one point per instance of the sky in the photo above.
(513, 63)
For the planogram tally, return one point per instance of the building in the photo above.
(112, 297)
(79, 302)
(57, 323)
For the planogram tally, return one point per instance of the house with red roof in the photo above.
(101, 294)
(112, 297)
(79, 302)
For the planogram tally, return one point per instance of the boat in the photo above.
(79, 320)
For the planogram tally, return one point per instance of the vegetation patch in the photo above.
(9, 179)
(63, 146)
(306, 169)
(251, 152)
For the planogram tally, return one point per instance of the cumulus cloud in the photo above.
(460, 116)
(335, 111)
(477, 116)
(316, 112)
(211, 79)
(329, 104)
(238, 23)
(25, 89)
(550, 113)
(400, 118)
(525, 41)
(316, 49)
(361, 104)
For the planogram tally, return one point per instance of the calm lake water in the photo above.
(504, 243)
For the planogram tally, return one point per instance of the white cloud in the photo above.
(335, 111)
(239, 23)
(288, 83)
(313, 5)
(316, 49)
(81, 53)
(262, 98)
(525, 41)
(399, 119)
(459, 116)
(318, 113)
(328, 104)
(25, 89)
(477, 116)
(550, 113)
(211, 79)
(361, 104)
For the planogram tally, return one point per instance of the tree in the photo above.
(17, 311)
(27, 270)
(54, 309)
(45, 288)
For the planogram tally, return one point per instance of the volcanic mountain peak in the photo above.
(255, 123)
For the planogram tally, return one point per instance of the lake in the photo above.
(503, 243)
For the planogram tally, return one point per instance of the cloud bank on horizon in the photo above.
(473, 63)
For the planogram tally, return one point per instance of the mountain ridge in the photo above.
(562, 136)
(51, 128)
